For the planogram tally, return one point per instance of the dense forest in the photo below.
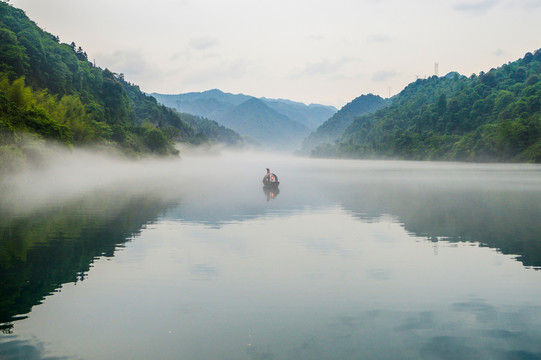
(493, 116)
(210, 129)
(334, 127)
(50, 91)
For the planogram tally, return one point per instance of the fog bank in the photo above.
(225, 178)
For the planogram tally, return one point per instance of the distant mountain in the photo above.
(312, 115)
(208, 104)
(217, 105)
(334, 127)
(256, 119)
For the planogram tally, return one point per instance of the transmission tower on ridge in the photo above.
(437, 69)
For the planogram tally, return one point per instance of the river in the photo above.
(193, 259)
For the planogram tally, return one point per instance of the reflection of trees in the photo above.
(505, 220)
(41, 251)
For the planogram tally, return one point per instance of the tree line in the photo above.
(493, 116)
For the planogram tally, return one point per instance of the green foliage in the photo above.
(12, 55)
(52, 90)
(209, 130)
(334, 127)
(491, 117)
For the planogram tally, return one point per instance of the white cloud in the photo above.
(127, 61)
(384, 75)
(204, 42)
(234, 69)
(476, 7)
(326, 67)
(379, 38)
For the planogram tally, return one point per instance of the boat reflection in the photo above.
(271, 192)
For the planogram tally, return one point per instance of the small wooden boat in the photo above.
(270, 181)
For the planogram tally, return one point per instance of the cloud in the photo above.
(384, 75)
(203, 43)
(326, 67)
(476, 7)
(127, 61)
(226, 70)
(315, 37)
(524, 4)
(379, 38)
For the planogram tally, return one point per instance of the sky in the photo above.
(311, 51)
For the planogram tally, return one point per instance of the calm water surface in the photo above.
(192, 259)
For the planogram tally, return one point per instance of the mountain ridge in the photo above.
(311, 115)
(287, 124)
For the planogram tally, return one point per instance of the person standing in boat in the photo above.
(268, 176)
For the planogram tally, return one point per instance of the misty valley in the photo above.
(193, 259)
(142, 221)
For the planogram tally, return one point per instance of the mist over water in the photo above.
(191, 258)
(219, 176)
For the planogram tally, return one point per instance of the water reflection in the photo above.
(506, 220)
(356, 260)
(40, 251)
(271, 193)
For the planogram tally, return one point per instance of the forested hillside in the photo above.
(210, 129)
(49, 90)
(493, 116)
(334, 127)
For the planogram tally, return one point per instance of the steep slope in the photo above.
(257, 120)
(495, 116)
(211, 130)
(311, 116)
(334, 127)
(51, 90)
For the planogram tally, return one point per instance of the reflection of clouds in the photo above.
(24, 349)
(256, 354)
(450, 347)
(421, 321)
(378, 274)
(483, 312)
(204, 271)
